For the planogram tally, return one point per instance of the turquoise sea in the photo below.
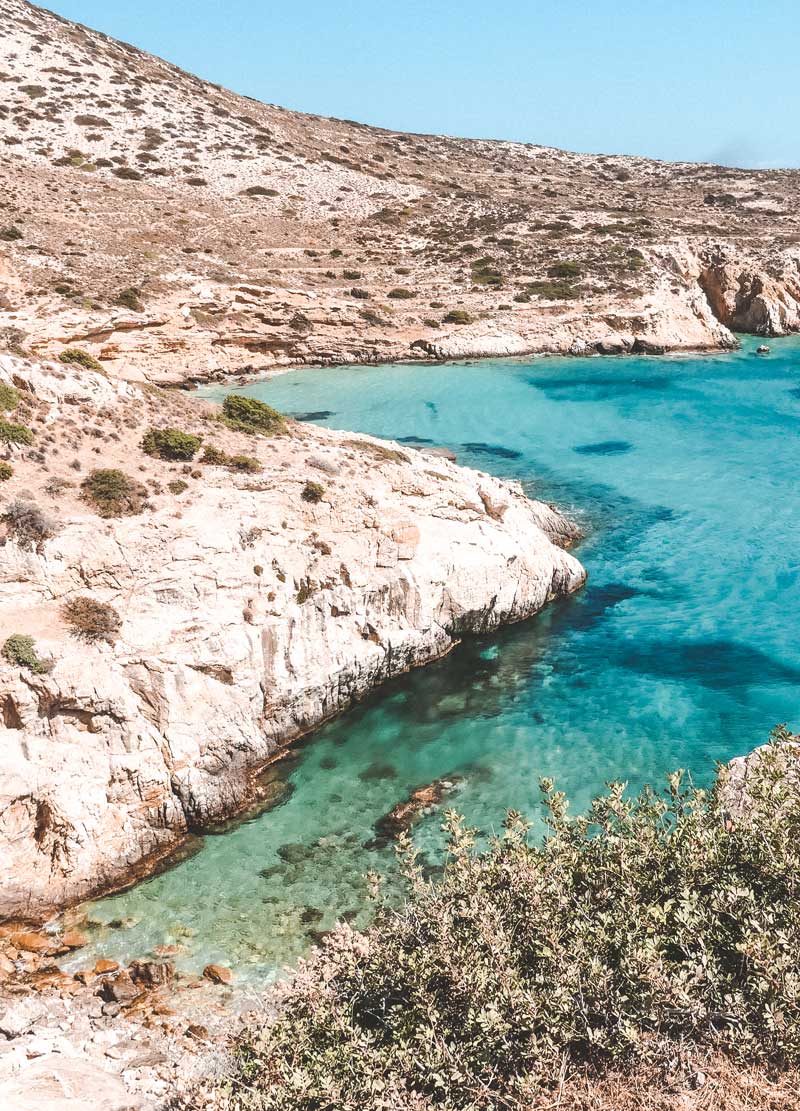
(682, 650)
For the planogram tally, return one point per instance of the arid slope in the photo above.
(179, 230)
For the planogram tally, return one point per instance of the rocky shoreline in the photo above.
(248, 614)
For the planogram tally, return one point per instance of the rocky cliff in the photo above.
(250, 611)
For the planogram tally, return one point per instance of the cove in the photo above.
(681, 651)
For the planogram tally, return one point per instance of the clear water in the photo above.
(682, 650)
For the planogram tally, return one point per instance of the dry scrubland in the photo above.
(178, 230)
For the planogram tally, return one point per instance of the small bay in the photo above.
(682, 650)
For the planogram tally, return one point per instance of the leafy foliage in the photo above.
(647, 925)
(80, 358)
(246, 414)
(6, 471)
(9, 397)
(170, 443)
(130, 298)
(13, 433)
(20, 649)
(313, 492)
(113, 493)
(458, 316)
(91, 620)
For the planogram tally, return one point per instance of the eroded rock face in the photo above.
(249, 617)
(750, 296)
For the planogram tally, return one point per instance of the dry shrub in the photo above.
(90, 620)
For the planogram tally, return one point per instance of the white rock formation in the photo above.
(249, 617)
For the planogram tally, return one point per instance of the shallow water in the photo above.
(681, 651)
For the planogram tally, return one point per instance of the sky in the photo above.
(709, 80)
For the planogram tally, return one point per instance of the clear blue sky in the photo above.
(709, 79)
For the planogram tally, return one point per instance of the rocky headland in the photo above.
(250, 606)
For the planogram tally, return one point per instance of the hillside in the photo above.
(178, 230)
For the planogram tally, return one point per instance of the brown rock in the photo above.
(74, 939)
(104, 966)
(218, 974)
(121, 989)
(32, 943)
(151, 974)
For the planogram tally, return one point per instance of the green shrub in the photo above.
(649, 929)
(6, 471)
(170, 443)
(10, 234)
(29, 525)
(113, 493)
(360, 294)
(177, 486)
(313, 492)
(214, 456)
(458, 316)
(90, 620)
(259, 191)
(248, 415)
(21, 650)
(9, 397)
(553, 291)
(130, 298)
(565, 270)
(351, 275)
(484, 273)
(79, 358)
(12, 433)
(247, 463)
(401, 294)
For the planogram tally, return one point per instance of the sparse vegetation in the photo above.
(246, 414)
(13, 433)
(113, 493)
(130, 298)
(171, 443)
(246, 463)
(458, 316)
(90, 620)
(20, 650)
(9, 397)
(177, 486)
(313, 492)
(10, 234)
(565, 270)
(78, 357)
(29, 525)
(6, 471)
(651, 929)
(401, 294)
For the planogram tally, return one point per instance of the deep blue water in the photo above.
(682, 650)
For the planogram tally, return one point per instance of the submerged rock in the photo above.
(218, 974)
(402, 816)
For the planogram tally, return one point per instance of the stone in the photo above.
(104, 966)
(21, 1016)
(121, 989)
(218, 974)
(74, 939)
(32, 942)
(151, 974)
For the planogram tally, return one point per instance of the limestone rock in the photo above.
(248, 618)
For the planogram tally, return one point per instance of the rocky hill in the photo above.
(178, 230)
